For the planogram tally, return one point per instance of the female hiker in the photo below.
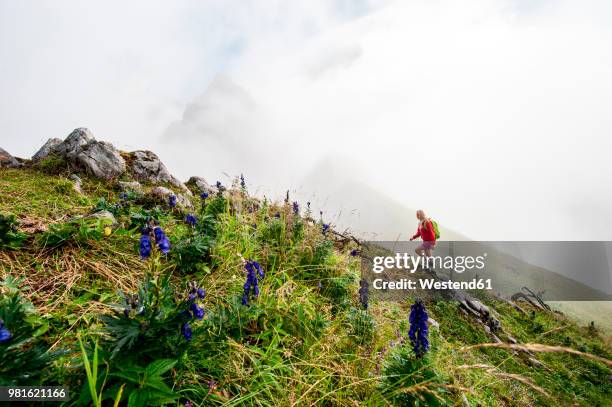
(427, 232)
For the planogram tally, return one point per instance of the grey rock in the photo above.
(72, 146)
(46, 149)
(126, 186)
(433, 322)
(101, 159)
(7, 160)
(163, 193)
(147, 166)
(98, 158)
(201, 185)
(183, 201)
(77, 183)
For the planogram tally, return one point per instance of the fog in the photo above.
(493, 116)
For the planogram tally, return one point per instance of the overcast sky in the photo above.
(493, 116)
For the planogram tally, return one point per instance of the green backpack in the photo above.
(435, 227)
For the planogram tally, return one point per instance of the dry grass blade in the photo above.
(537, 347)
(495, 372)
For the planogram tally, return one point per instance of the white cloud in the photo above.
(492, 115)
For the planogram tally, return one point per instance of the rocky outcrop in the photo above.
(200, 185)
(98, 158)
(146, 166)
(46, 149)
(102, 160)
(7, 160)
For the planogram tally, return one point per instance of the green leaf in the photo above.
(157, 384)
(138, 398)
(159, 367)
(130, 376)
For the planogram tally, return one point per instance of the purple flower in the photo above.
(325, 228)
(254, 273)
(123, 196)
(186, 331)
(172, 200)
(354, 252)
(198, 312)
(161, 240)
(5, 334)
(418, 328)
(201, 293)
(242, 183)
(277, 215)
(191, 220)
(145, 244)
(204, 195)
(296, 208)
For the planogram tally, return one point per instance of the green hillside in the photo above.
(85, 310)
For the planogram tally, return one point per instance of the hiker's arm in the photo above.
(418, 233)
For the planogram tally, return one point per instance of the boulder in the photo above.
(164, 193)
(74, 143)
(161, 192)
(7, 160)
(101, 159)
(201, 185)
(146, 166)
(98, 158)
(46, 149)
(127, 186)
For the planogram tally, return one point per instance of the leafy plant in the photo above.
(24, 356)
(151, 321)
(411, 381)
(210, 213)
(191, 252)
(146, 385)
(142, 217)
(79, 231)
(10, 237)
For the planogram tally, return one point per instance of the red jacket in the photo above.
(426, 231)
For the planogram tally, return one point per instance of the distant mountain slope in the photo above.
(355, 205)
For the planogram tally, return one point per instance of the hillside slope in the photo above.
(305, 339)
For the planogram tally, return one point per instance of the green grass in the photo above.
(298, 343)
